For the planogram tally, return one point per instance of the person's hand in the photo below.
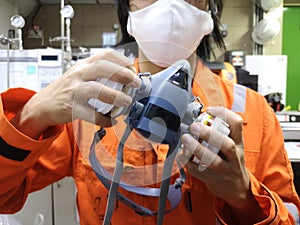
(66, 99)
(225, 176)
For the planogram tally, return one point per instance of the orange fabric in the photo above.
(62, 155)
(229, 73)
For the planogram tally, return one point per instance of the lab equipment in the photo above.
(271, 71)
(68, 13)
(235, 58)
(49, 66)
(33, 68)
(21, 68)
(274, 100)
(18, 22)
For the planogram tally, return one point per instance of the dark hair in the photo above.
(122, 11)
(204, 50)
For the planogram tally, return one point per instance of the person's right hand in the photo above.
(66, 98)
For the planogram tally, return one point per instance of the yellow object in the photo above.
(287, 108)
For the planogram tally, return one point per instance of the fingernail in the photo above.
(127, 100)
(195, 129)
(133, 69)
(136, 82)
(187, 139)
(187, 153)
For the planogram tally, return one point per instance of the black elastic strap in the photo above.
(11, 152)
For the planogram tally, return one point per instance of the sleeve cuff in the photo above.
(11, 137)
(263, 198)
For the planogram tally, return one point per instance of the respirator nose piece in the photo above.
(181, 77)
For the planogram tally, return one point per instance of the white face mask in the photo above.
(169, 30)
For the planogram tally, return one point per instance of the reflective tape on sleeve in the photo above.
(239, 98)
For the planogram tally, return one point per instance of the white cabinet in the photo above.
(39, 202)
(55, 205)
(64, 202)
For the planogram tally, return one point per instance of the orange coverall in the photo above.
(61, 151)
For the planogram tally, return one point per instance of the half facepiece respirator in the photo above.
(163, 108)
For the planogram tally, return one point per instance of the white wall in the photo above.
(7, 10)
(12, 7)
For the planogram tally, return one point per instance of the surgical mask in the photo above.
(169, 30)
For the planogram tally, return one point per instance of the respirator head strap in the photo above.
(174, 193)
(166, 176)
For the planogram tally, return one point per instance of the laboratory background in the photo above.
(40, 39)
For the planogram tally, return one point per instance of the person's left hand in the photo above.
(226, 176)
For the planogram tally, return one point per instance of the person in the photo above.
(44, 136)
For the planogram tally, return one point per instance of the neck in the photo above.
(145, 65)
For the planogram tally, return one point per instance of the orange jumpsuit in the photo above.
(34, 164)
